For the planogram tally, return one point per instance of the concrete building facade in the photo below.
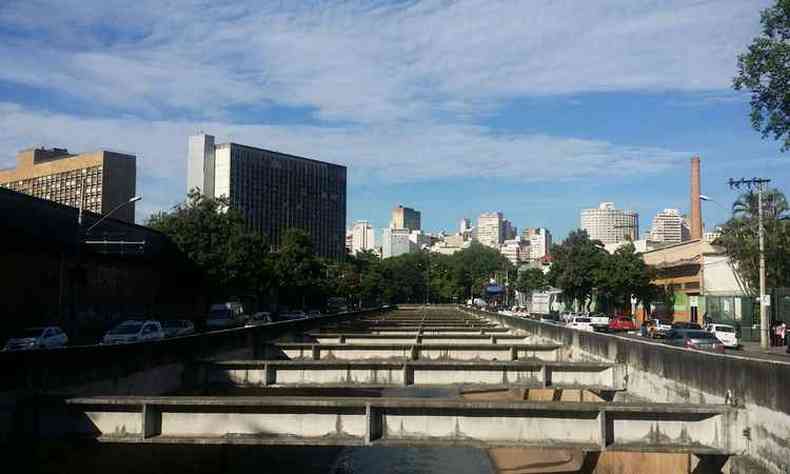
(609, 224)
(539, 242)
(701, 280)
(274, 191)
(489, 229)
(669, 226)
(395, 242)
(102, 179)
(363, 237)
(405, 218)
(464, 226)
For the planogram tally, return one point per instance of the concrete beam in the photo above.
(256, 373)
(549, 352)
(705, 430)
(418, 338)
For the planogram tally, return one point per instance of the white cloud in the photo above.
(370, 62)
(400, 153)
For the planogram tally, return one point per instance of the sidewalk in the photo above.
(752, 348)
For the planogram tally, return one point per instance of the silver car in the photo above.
(694, 339)
(37, 338)
(134, 331)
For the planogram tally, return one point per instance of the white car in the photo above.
(134, 331)
(37, 338)
(582, 323)
(725, 333)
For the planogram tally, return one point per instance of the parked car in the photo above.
(659, 328)
(259, 318)
(290, 315)
(600, 322)
(724, 333)
(134, 331)
(178, 327)
(694, 339)
(37, 338)
(313, 313)
(622, 323)
(546, 318)
(685, 325)
(225, 315)
(581, 322)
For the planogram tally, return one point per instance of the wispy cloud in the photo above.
(402, 153)
(397, 90)
(368, 61)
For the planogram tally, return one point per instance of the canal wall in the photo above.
(662, 373)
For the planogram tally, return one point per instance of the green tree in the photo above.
(531, 280)
(215, 237)
(620, 277)
(739, 237)
(574, 265)
(301, 276)
(765, 71)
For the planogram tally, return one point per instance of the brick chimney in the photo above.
(696, 208)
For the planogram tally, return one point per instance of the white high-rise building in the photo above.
(609, 224)
(669, 226)
(363, 237)
(395, 242)
(539, 243)
(489, 229)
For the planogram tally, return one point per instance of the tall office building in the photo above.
(104, 179)
(669, 226)
(405, 218)
(609, 224)
(539, 243)
(489, 229)
(274, 191)
(363, 237)
(395, 242)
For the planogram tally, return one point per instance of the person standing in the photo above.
(781, 333)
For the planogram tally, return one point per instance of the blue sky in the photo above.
(537, 109)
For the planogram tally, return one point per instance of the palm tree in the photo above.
(775, 205)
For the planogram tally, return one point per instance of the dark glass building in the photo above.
(274, 191)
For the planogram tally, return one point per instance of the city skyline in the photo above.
(450, 129)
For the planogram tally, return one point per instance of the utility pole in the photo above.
(759, 184)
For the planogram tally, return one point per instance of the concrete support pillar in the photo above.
(374, 425)
(545, 372)
(316, 352)
(151, 419)
(408, 374)
(513, 353)
(269, 375)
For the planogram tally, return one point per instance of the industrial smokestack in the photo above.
(696, 207)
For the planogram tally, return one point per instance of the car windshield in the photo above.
(219, 314)
(127, 328)
(31, 332)
(582, 320)
(724, 329)
(700, 335)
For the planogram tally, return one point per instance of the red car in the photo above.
(622, 323)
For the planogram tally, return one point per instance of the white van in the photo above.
(225, 315)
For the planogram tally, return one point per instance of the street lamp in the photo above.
(125, 203)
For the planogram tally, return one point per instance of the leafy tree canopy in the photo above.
(765, 71)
